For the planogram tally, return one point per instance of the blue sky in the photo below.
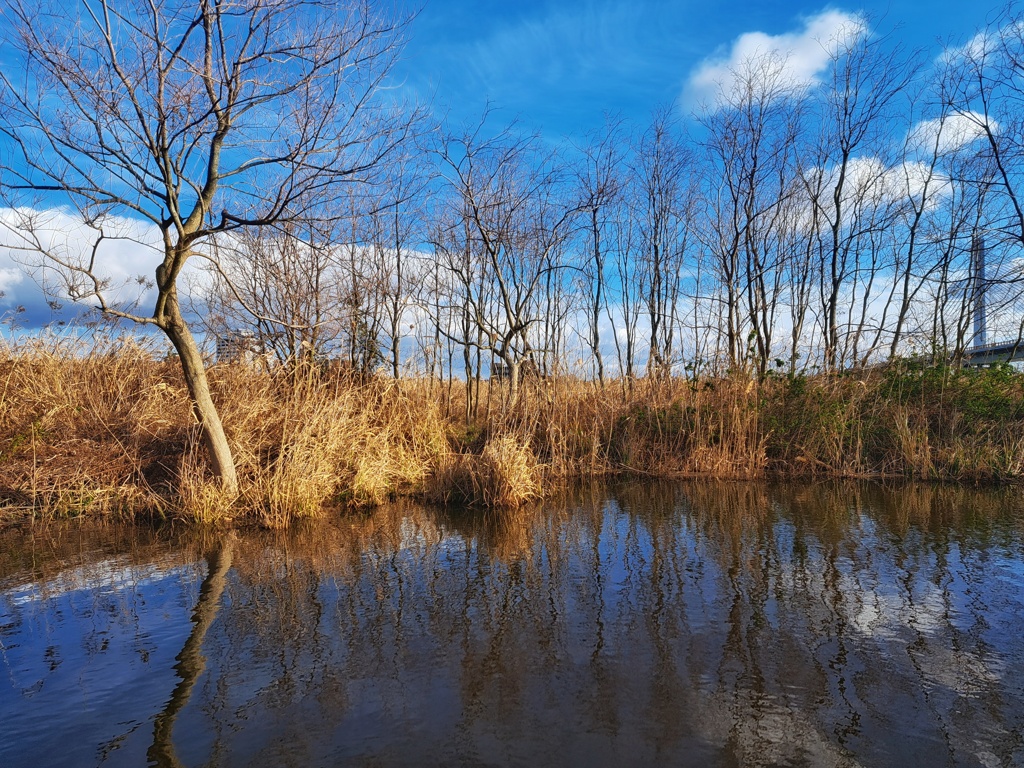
(558, 66)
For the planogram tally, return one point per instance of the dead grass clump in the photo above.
(572, 423)
(816, 426)
(679, 427)
(914, 448)
(408, 439)
(76, 426)
(506, 474)
(293, 452)
(199, 498)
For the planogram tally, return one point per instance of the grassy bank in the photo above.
(109, 431)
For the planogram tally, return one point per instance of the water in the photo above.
(656, 624)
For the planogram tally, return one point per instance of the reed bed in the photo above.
(107, 430)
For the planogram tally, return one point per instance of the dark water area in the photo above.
(656, 624)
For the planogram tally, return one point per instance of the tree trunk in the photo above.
(598, 286)
(514, 369)
(218, 451)
(396, 359)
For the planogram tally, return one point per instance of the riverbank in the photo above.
(110, 432)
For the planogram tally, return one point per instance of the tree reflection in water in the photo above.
(191, 662)
(688, 624)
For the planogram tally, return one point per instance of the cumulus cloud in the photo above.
(982, 45)
(11, 277)
(803, 56)
(948, 134)
(871, 182)
(125, 259)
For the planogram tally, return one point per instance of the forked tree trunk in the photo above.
(222, 464)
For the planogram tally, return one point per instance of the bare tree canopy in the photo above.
(201, 117)
(502, 232)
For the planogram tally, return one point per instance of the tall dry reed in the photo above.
(105, 428)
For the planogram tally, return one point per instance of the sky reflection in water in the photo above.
(684, 624)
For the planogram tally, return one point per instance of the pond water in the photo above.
(643, 624)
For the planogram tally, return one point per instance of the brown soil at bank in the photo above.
(110, 432)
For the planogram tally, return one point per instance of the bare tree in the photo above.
(599, 181)
(750, 143)
(624, 246)
(925, 182)
(983, 84)
(283, 285)
(843, 171)
(199, 117)
(659, 183)
(508, 218)
(397, 221)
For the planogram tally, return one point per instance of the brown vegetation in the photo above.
(110, 431)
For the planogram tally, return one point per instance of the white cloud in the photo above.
(950, 133)
(869, 181)
(987, 46)
(128, 252)
(978, 48)
(10, 277)
(803, 56)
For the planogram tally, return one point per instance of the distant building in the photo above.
(237, 346)
(500, 371)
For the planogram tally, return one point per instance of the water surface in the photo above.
(655, 624)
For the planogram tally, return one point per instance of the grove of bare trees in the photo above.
(788, 227)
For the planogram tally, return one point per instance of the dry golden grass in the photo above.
(304, 441)
(107, 430)
(77, 426)
(505, 474)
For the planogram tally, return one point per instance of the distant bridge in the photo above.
(996, 352)
(986, 353)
